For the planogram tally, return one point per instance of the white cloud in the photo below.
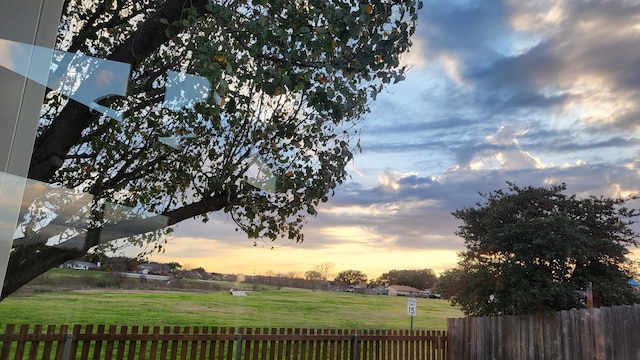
(389, 179)
(452, 67)
(415, 58)
(541, 15)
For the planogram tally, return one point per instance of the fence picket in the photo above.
(193, 347)
(85, 346)
(303, 344)
(48, 343)
(600, 334)
(176, 342)
(35, 344)
(24, 330)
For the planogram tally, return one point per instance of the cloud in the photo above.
(361, 226)
(537, 93)
(568, 69)
(585, 66)
(390, 179)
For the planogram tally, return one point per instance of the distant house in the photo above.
(79, 265)
(117, 264)
(360, 288)
(153, 268)
(401, 290)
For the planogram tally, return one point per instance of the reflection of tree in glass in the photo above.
(290, 82)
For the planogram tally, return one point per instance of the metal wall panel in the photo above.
(32, 22)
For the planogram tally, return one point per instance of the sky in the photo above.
(533, 92)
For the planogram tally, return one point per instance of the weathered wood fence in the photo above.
(600, 333)
(175, 342)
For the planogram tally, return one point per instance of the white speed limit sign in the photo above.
(411, 306)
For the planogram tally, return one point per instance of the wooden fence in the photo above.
(175, 342)
(600, 333)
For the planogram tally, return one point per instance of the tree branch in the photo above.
(67, 128)
(32, 257)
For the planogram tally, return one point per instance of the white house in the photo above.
(402, 290)
(78, 265)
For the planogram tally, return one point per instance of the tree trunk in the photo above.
(52, 146)
(33, 257)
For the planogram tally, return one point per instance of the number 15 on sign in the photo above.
(411, 309)
(411, 306)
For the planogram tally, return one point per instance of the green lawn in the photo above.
(271, 308)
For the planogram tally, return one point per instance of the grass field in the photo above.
(271, 308)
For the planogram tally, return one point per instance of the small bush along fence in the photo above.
(176, 342)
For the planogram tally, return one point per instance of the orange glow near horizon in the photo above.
(215, 256)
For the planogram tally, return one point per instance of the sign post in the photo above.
(411, 309)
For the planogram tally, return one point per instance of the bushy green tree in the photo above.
(419, 279)
(531, 249)
(450, 283)
(290, 80)
(351, 277)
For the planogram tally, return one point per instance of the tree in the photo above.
(351, 277)
(325, 270)
(246, 107)
(419, 279)
(450, 283)
(532, 249)
(312, 275)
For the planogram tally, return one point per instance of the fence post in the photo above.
(238, 346)
(354, 347)
(439, 348)
(66, 353)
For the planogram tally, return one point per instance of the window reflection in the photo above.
(36, 215)
(83, 78)
(88, 80)
(62, 218)
(185, 90)
(260, 176)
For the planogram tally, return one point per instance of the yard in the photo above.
(286, 307)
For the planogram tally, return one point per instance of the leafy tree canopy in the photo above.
(290, 81)
(312, 275)
(351, 277)
(531, 249)
(419, 279)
